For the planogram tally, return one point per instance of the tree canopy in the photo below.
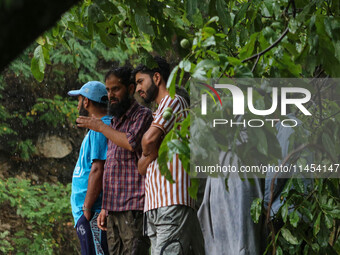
(216, 39)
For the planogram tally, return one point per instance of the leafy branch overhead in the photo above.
(218, 39)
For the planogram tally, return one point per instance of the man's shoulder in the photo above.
(168, 101)
(142, 110)
(107, 119)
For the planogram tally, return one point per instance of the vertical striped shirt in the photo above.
(160, 192)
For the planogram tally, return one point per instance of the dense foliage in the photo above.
(44, 215)
(227, 39)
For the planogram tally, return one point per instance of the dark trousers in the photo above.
(125, 233)
(87, 231)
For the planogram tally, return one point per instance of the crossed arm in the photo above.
(151, 142)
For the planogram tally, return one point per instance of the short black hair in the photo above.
(123, 73)
(162, 67)
(102, 106)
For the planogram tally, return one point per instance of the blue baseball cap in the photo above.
(93, 90)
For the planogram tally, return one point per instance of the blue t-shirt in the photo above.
(94, 146)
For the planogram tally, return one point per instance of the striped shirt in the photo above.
(123, 186)
(160, 192)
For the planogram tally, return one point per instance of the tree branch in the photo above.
(258, 55)
(257, 60)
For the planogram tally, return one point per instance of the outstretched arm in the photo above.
(96, 124)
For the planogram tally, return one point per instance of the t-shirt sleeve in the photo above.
(141, 124)
(177, 105)
(98, 146)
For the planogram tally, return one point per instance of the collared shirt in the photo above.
(160, 192)
(123, 186)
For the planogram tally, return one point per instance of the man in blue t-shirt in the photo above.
(86, 197)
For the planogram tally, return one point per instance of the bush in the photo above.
(45, 212)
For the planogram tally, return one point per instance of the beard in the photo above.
(118, 109)
(151, 93)
(83, 111)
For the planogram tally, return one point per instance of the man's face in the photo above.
(80, 107)
(119, 100)
(146, 87)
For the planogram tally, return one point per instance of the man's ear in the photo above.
(131, 89)
(157, 78)
(86, 103)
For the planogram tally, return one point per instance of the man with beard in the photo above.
(172, 223)
(123, 186)
(86, 197)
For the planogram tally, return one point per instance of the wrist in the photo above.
(86, 209)
(102, 127)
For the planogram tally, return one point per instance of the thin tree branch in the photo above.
(294, 8)
(257, 60)
(319, 102)
(331, 115)
(269, 48)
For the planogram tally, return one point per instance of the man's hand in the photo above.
(145, 161)
(87, 215)
(101, 220)
(96, 124)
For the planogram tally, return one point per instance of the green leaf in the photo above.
(185, 64)
(284, 212)
(248, 49)
(209, 42)
(240, 15)
(191, 8)
(55, 30)
(328, 221)
(335, 213)
(185, 126)
(199, 74)
(171, 83)
(178, 147)
(46, 55)
(287, 188)
(39, 55)
(316, 227)
(279, 251)
(288, 236)
(262, 144)
(294, 218)
(95, 14)
(107, 7)
(306, 212)
(305, 250)
(256, 209)
(329, 145)
(163, 158)
(298, 185)
(144, 24)
(193, 189)
(38, 64)
(213, 19)
(109, 40)
(337, 245)
(223, 14)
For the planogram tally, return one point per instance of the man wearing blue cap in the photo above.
(86, 197)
